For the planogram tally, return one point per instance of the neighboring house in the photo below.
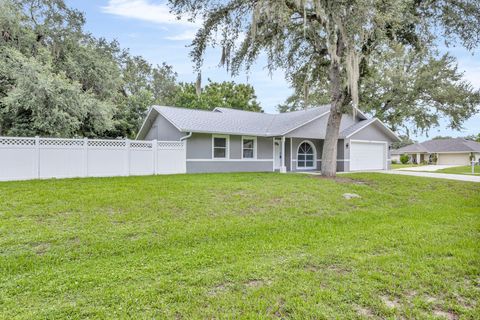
(225, 140)
(456, 151)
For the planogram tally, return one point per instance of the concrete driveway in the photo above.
(432, 167)
(459, 177)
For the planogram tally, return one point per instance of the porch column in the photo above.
(283, 166)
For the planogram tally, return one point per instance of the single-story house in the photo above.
(457, 151)
(227, 140)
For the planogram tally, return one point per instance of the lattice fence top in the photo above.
(141, 144)
(12, 141)
(95, 143)
(170, 144)
(61, 142)
(107, 143)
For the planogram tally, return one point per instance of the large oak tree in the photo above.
(326, 41)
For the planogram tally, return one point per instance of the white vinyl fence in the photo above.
(41, 158)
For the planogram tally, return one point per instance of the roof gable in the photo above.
(442, 145)
(359, 126)
(236, 122)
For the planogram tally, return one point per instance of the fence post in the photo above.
(85, 157)
(155, 155)
(127, 158)
(37, 157)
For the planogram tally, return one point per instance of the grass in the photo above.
(240, 246)
(466, 170)
(401, 165)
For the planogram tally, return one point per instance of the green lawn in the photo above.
(461, 170)
(240, 246)
(401, 165)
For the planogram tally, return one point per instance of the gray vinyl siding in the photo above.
(313, 130)
(372, 133)
(318, 127)
(228, 166)
(264, 148)
(288, 154)
(162, 130)
(235, 147)
(199, 146)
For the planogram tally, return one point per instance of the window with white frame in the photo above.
(306, 155)
(249, 147)
(220, 147)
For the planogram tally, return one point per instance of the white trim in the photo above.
(305, 123)
(254, 146)
(144, 122)
(291, 154)
(227, 145)
(283, 167)
(314, 155)
(453, 152)
(230, 160)
(373, 141)
(373, 121)
(276, 140)
(273, 154)
(295, 160)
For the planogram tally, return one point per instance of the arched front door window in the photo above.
(306, 156)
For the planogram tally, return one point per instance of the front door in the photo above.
(278, 155)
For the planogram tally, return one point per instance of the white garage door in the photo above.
(454, 158)
(365, 155)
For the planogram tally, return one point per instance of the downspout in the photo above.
(182, 139)
(186, 137)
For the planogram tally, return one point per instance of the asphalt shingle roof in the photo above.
(441, 145)
(347, 131)
(240, 122)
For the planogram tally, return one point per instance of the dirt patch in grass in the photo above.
(344, 180)
(279, 311)
(41, 248)
(390, 302)
(219, 289)
(445, 314)
(311, 267)
(338, 269)
(364, 312)
(256, 283)
(75, 241)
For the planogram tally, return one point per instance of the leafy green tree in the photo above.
(226, 94)
(43, 87)
(404, 141)
(411, 91)
(324, 41)
(45, 103)
(473, 137)
(408, 91)
(77, 85)
(441, 137)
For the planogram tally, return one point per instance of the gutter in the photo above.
(186, 137)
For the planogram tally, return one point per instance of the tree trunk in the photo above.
(329, 152)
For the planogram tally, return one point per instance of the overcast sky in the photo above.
(148, 29)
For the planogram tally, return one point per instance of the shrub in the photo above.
(404, 158)
(394, 161)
